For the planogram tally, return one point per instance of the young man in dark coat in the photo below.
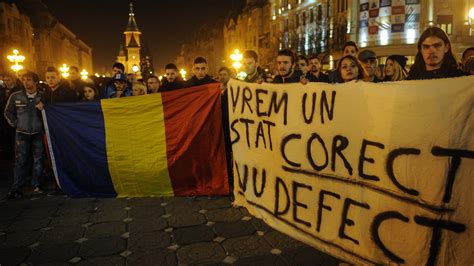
(200, 71)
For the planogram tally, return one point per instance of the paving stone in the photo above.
(234, 229)
(105, 230)
(102, 247)
(52, 264)
(54, 253)
(76, 206)
(146, 212)
(4, 225)
(148, 240)
(13, 256)
(147, 225)
(64, 220)
(103, 261)
(308, 256)
(201, 253)
(152, 257)
(11, 211)
(217, 203)
(75, 260)
(261, 225)
(244, 211)
(29, 225)
(247, 246)
(62, 234)
(261, 260)
(224, 215)
(282, 241)
(112, 204)
(39, 212)
(107, 216)
(190, 235)
(150, 201)
(182, 207)
(184, 220)
(19, 239)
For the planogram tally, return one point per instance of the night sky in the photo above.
(164, 24)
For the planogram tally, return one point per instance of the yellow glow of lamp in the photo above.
(160, 78)
(64, 71)
(236, 57)
(84, 74)
(16, 58)
(135, 68)
(183, 73)
(471, 13)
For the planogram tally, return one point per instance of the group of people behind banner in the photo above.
(23, 99)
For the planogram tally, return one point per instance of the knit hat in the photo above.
(401, 59)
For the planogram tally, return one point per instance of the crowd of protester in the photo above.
(22, 99)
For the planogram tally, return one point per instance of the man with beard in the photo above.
(315, 74)
(286, 68)
(172, 80)
(435, 58)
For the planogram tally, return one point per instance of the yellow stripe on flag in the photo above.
(136, 146)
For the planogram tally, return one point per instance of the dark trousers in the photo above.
(26, 145)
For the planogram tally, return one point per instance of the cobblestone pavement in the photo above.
(56, 230)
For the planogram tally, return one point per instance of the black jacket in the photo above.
(322, 77)
(443, 72)
(196, 82)
(295, 77)
(178, 83)
(62, 94)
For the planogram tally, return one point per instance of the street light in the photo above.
(16, 58)
(135, 68)
(237, 57)
(471, 18)
(64, 71)
(84, 74)
(183, 73)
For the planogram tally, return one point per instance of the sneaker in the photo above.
(38, 190)
(13, 195)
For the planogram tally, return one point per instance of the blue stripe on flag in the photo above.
(77, 140)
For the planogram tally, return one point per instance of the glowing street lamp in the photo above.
(471, 19)
(16, 58)
(135, 68)
(160, 78)
(84, 74)
(64, 71)
(236, 57)
(183, 73)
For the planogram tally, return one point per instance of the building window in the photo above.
(311, 15)
(445, 22)
(304, 18)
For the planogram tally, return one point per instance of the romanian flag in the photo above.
(164, 144)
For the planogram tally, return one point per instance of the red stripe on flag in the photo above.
(195, 141)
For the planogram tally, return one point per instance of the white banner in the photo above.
(369, 173)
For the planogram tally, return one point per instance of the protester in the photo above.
(7, 133)
(120, 88)
(224, 75)
(22, 114)
(153, 84)
(58, 89)
(435, 58)
(467, 61)
(369, 60)
(350, 48)
(254, 73)
(286, 68)
(349, 68)
(132, 78)
(76, 82)
(172, 80)
(138, 89)
(394, 69)
(90, 93)
(109, 87)
(315, 73)
(302, 64)
(200, 76)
